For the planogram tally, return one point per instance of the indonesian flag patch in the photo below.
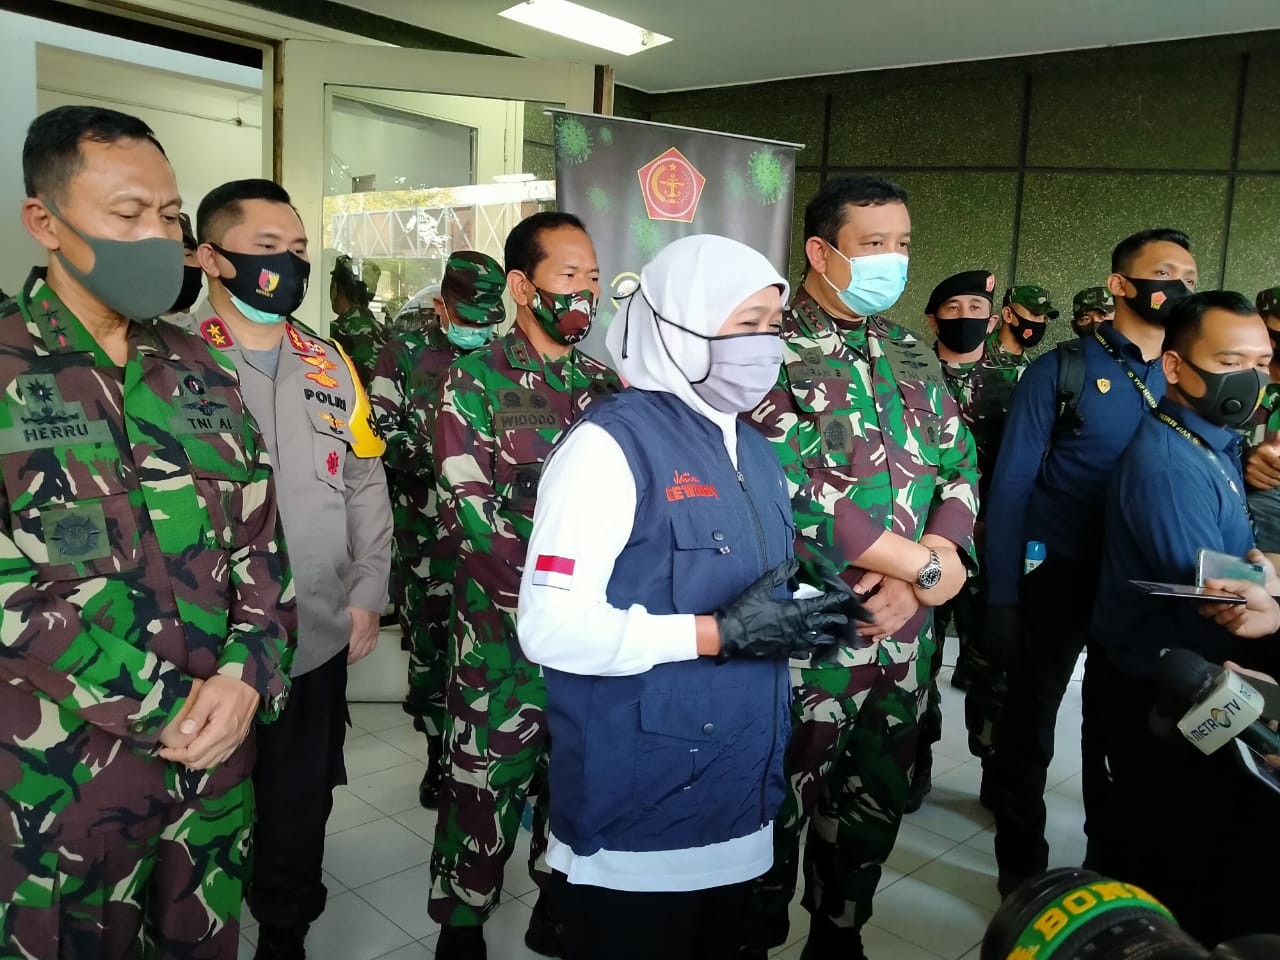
(553, 572)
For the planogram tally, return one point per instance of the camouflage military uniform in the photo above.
(982, 390)
(1264, 505)
(501, 410)
(139, 551)
(405, 393)
(871, 441)
(362, 337)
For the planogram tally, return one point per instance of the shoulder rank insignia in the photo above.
(215, 333)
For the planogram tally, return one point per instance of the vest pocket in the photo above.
(714, 558)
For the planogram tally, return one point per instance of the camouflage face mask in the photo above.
(566, 317)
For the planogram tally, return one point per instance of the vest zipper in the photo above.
(764, 562)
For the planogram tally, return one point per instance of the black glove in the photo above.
(1000, 633)
(759, 627)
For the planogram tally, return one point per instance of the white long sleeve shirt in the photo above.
(585, 511)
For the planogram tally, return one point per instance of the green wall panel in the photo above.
(806, 186)
(1173, 116)
(959, 221)
(1253, 252)
(1260, 133)
(961, 123)
(1071, 222)
(796, 121)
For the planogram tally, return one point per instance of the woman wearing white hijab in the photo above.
(655, 597)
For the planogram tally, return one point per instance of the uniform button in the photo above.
(717, 535)
(138, 727)
(708, 728)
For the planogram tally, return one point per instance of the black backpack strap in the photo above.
(1071, 363)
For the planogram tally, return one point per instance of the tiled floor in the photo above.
(935, 900)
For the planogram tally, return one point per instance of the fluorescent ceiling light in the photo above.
(588, 26)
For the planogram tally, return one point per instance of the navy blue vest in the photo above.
(686, 754)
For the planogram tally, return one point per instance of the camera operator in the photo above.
(1194, 830)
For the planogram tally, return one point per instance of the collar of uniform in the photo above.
(1122, 343)
(436, 339)
(997, 355)
(49, 320)
(1219, 439)
(520, 352)
(817, 323)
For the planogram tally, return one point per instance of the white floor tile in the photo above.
(349, 811)
(916, 846)
(246, 950)
(407, 740)
(1071, 787)
(402, 898)
(928, 917)
(413, 951)
(1064, 829)
(952, 808)
(369, 754)
(966, 872)
(350, 929)
(516, 881)
(421, 821)
(392, 791)
(363, 854)
(376, 717)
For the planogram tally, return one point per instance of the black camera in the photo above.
(1073, 914)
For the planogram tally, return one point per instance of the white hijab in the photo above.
(695, 282)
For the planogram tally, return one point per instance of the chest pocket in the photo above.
(922, 419)
(818, 385)
(717, 552)
(215, 437)
(521, 421)
(329, 453)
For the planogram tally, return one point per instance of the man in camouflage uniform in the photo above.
(317, 424)
(405, 392)
(355, 328)
(147, 598)
(981, 375)
(502, 408)
(1090, 307)
(884, 494)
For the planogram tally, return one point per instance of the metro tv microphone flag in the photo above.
(639, 185)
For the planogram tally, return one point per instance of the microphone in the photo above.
(1215, 705)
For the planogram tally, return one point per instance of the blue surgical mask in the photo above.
(875, 282)
(467, 339)
(253, 314)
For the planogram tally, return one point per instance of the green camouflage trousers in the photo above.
(496, 749)
(848, 763)
(167, 888)
(423, 608)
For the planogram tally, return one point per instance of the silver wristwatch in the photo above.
(931, 573)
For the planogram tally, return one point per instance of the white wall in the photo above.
(83, 67)
(402, 150)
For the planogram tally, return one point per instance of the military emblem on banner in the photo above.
(671, 186)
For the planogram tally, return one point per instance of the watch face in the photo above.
(930, 576)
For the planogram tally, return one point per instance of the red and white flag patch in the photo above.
(551, 571)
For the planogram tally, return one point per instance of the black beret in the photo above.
(971, 283)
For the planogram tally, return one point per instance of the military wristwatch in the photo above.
(930, 573)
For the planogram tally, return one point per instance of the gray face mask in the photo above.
(139, 279)
(744, 367)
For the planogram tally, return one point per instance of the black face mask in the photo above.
(963, 334)
(1083, 328)
(1027, 333)
(192, 284)
(1156, 299)
(270, 282)
(1230, 398)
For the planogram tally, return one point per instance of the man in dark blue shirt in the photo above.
(1179, 488)
(1048, 486)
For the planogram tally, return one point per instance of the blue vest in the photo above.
(686, 754)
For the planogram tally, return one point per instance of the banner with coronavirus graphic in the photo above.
(639, 185)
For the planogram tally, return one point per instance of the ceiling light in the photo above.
(588, 26)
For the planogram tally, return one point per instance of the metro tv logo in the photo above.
(1220, 718)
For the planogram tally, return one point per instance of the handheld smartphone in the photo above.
(1183, 591)
(1212, 565)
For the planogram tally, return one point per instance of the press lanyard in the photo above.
(1213, 458)
(1133, 378)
